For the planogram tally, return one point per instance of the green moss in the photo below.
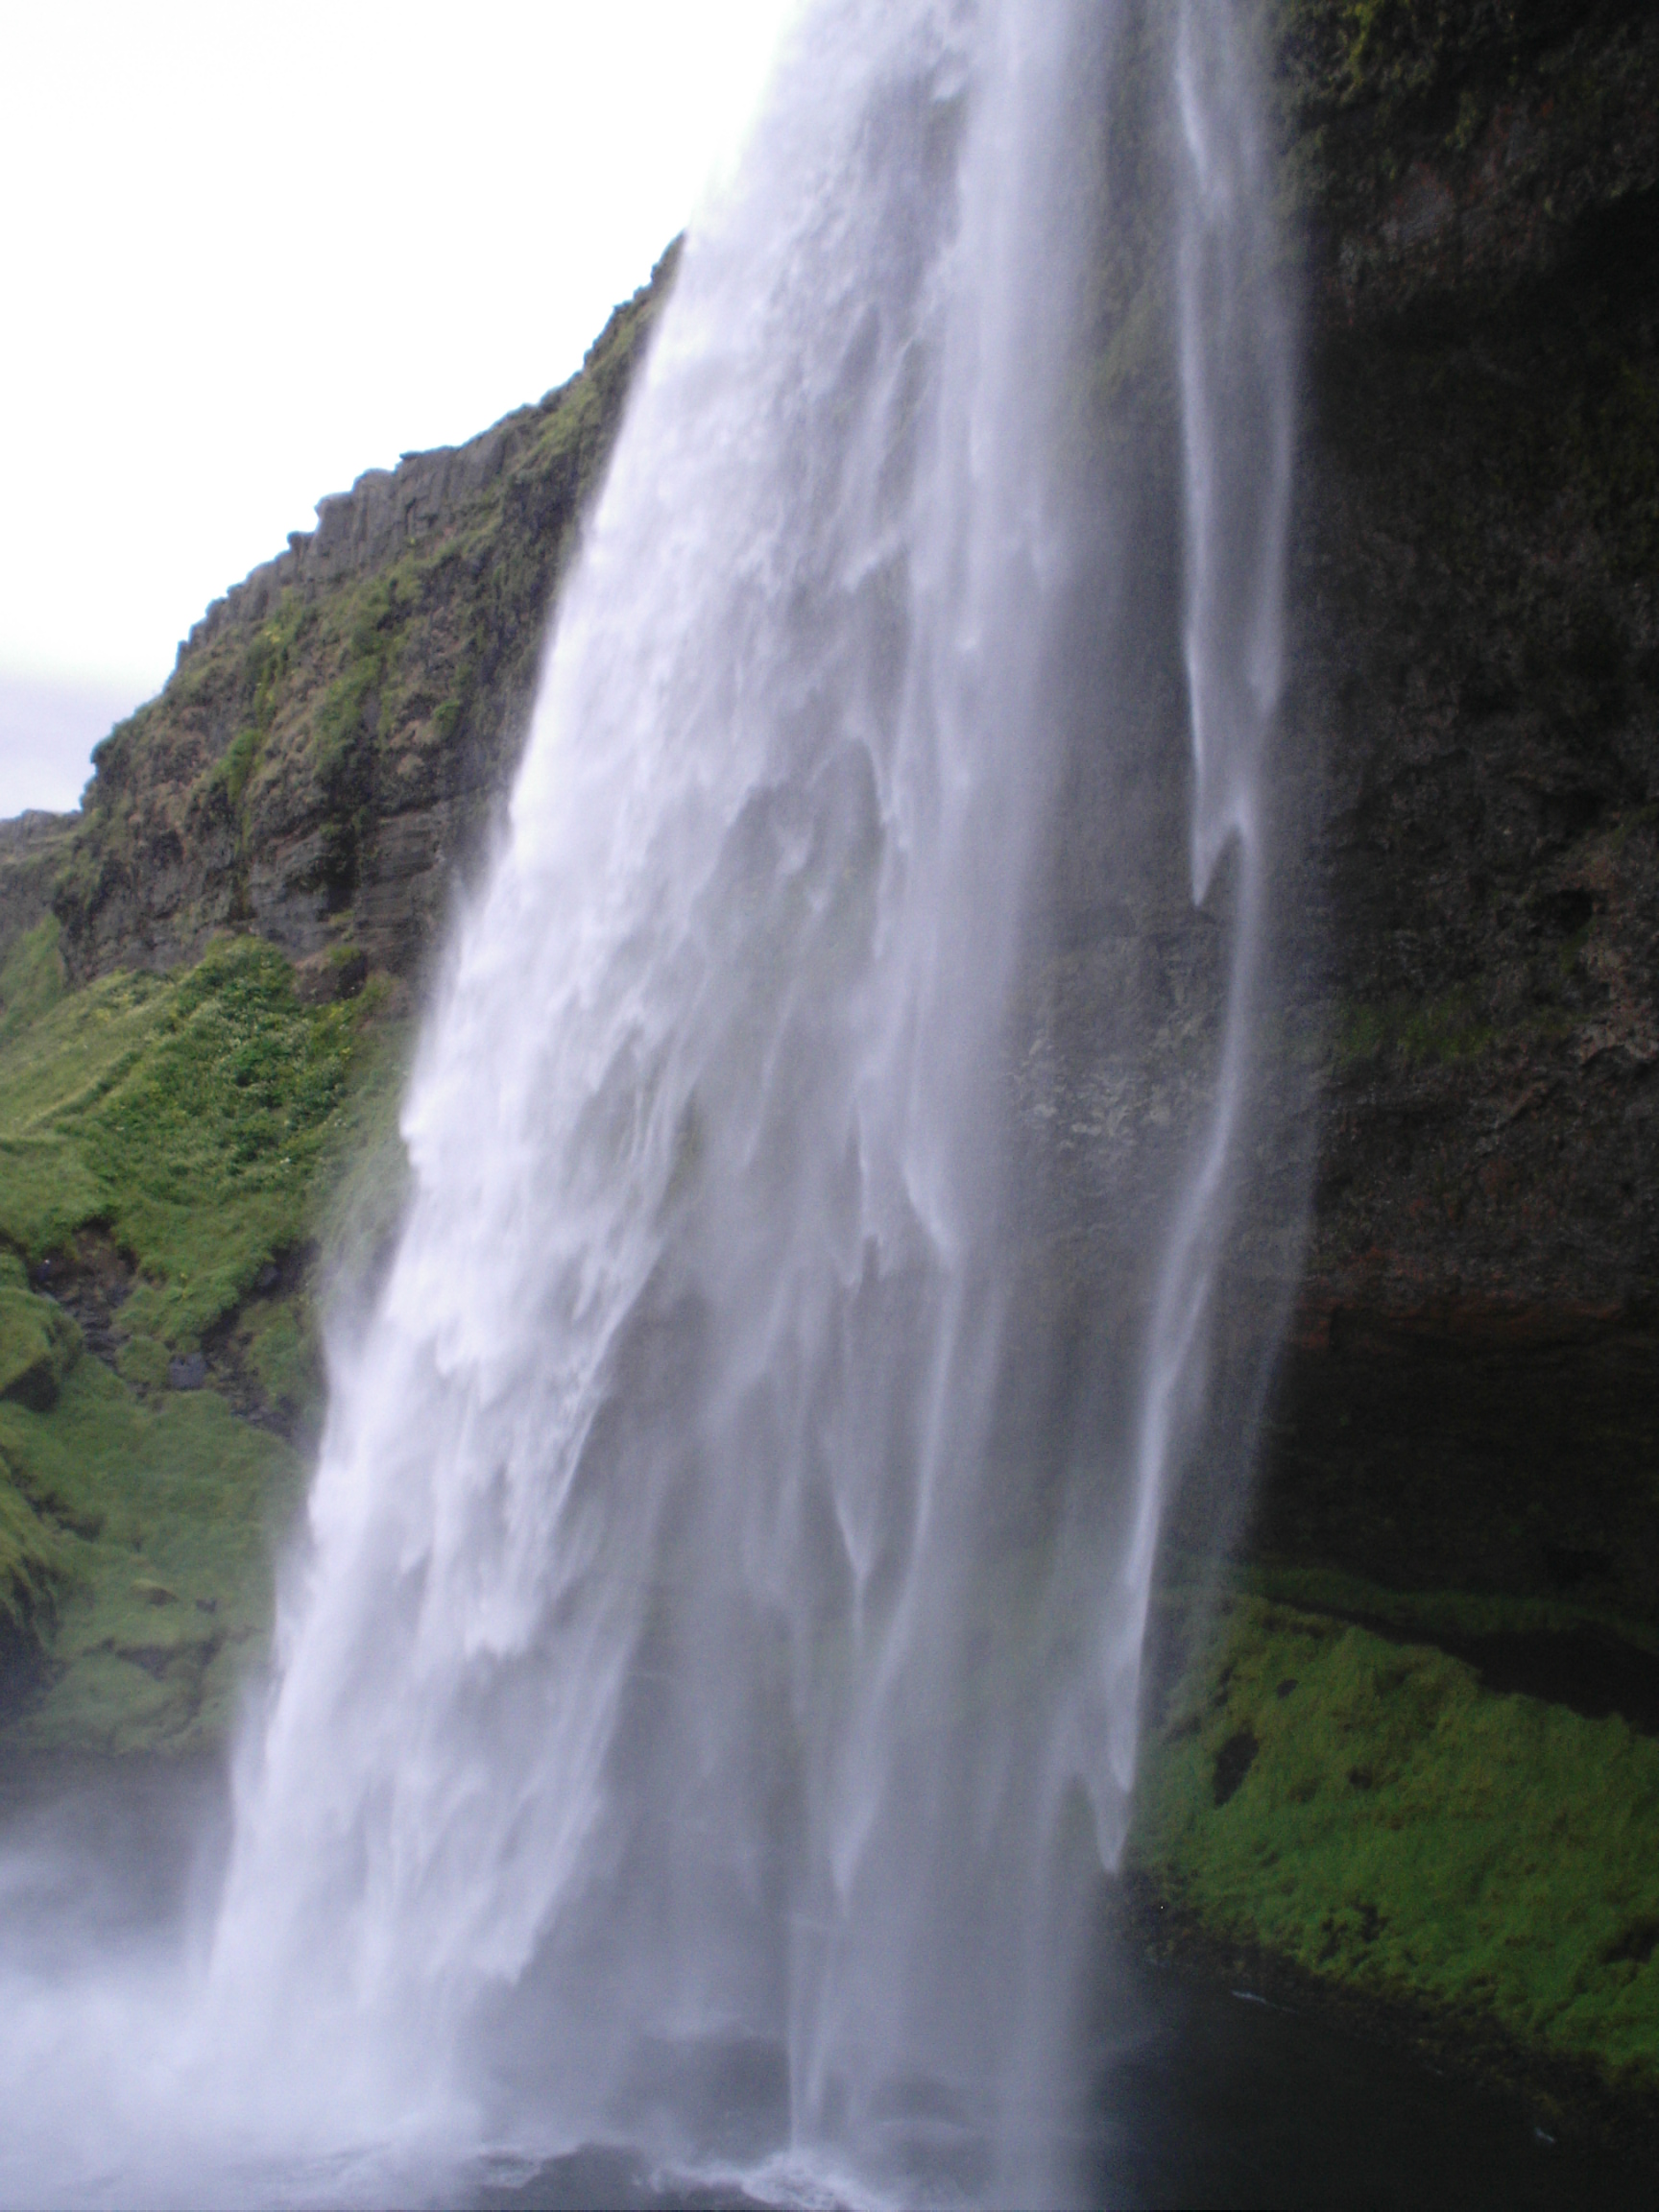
(188, 1117)
(160, 1524)
(1370, 1813)
(33, 1566)
(227, 1154)
(282, 1353)
(1391, 56)
(1390, 47)
(143, 1360)
(32, 979)
(1435, 1031)
(213, 1131)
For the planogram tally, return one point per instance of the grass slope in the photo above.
(165, 1520)
(203, 1144)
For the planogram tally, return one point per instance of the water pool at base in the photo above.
(1204, 2096)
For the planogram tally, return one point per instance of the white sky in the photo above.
(248, 253)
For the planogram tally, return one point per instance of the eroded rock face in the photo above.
(340, 729)
(1468, 868)
(1447, 147)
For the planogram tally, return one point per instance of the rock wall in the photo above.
(1472, 1396)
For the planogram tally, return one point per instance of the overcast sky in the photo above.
(248, 253)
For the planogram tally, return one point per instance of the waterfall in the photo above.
(1236, 371)
(728, 1567)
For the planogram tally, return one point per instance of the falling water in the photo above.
(724, 1585)
(1236, 383)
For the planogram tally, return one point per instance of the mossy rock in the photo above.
(34, 1569)
(154, 1528)
(1369, 1813)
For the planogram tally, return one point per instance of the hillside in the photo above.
(205, 983)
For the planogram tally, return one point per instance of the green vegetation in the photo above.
(192, 1163)
(158, 1525)
(1433, 1031)
(187, 1118)
(38, 1342)
(33, 1565)
(32, 979)
(1367, 1812)
(192, 1147)
(1396, 55)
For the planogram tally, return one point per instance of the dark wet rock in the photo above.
(187, 1373)
(90, 1277)
(322, 978)
(1233, 1762)
(38, 1345)
(1470, 1396)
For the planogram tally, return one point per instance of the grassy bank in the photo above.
(185, 1159)
(1367, 1812)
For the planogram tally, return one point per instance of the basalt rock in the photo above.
(1470, 1396)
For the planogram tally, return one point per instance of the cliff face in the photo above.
(339, 728)
(1471, 1393)
(1472, 1396)
(1413, 1758)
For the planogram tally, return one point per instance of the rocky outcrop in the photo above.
(340, 727)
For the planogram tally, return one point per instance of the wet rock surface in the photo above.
(1467, 1397)
(90, 1277)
